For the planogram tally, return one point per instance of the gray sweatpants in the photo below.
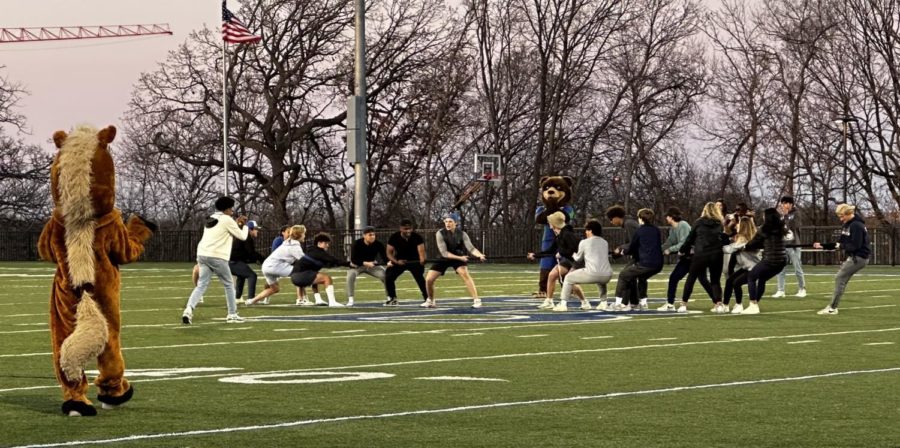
(581, 277)
(850, 266)
(352, 273)
(219, 267)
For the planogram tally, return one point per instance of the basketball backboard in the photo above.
(488, 168)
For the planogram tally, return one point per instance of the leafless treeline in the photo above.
(649, 103)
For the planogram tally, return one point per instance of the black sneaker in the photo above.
(391, 302)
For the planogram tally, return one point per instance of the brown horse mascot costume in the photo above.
(87, 240)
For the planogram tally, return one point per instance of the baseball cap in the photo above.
(253, 225)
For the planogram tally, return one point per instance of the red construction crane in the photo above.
(16, 35)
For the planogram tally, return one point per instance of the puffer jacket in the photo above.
(706, 238)
(772, 245)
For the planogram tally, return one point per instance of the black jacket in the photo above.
(565, 243)
(706, 238)
(772, 244)
(245, 251)
(315, 258)
(361, 252)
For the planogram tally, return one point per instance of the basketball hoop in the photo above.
(488, 168)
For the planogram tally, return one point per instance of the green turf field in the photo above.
(506, 375)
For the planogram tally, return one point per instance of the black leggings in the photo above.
(733, 284)
(758, 277)
(678, 272)
(699, 266)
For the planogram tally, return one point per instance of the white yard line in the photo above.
(532, 336)
(811, 341)
(880, 343)
(596, 337)
(465, 408)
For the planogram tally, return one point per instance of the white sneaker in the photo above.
(561, 306)
(776, 295)
(586, 305)
(622, 308)
(719, 309)
(751, 309)
(682, 308)
(642, 307)
(234, 319)
(303, 302)
(738, 309)
(428, 303)
(828, 310)
(240, 300)
(603, 305)
(187, 317)
(801, 293)
(249, 302)
(668, 307)
(264, 301)
(547, 304)
(476, 303)
(335, 305)
(320, 302)
(350, 302)
(201, 300)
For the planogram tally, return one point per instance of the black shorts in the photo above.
(444, 263)
(303, 278)
(566, 262)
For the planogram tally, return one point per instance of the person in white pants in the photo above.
(594, 251)
(280, 263)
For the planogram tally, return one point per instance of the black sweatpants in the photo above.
(628, 286)
(390, 280)
(733, 285)
(759, 275)
(678, 272)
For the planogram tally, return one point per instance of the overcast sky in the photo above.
(90, 81)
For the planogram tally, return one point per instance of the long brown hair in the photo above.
(746, 230)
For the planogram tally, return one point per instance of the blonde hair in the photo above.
(298, 232)
(845, 209)
(711, 210)
(746, 230)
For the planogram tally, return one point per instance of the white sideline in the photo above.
(500, 356)
(457, 409)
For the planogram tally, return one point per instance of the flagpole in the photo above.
(225, 107)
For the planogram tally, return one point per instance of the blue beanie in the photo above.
(452, 215)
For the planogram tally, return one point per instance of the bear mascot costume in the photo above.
(556, 196)
(87, 240)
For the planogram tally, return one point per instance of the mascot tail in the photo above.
(86, 342)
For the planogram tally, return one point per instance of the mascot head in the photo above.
(556, 191)
(82, 177)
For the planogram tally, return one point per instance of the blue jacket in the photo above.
(646, 247)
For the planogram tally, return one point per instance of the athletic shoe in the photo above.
(682, 309)
(349, 302)
(547, 304)
(539, 295)
(234, 319)
(776, 295)
(642, 307)
(561, 306)
(240, 300)
(249, 302)
(201, 300)
(801, 293)
(738, 309)
(586, 305)
(303, 302)
(187, 317)
(751, 309)
(668, 307)
(428, 303)
(264, 301)
(828, 310)
(720, 309)
(320, 302)
(390, 302)
(620, 308)
(335, 304)
(603, 305)
(476, 303)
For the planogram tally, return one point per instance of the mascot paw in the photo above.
(74, 408)
(110, 402)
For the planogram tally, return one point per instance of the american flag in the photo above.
(233, 31)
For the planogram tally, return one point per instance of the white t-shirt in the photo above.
(216, 240)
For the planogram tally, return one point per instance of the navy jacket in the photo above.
(854, 238)
(646, 247)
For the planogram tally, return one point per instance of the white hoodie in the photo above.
(283, 258)
(216, 240)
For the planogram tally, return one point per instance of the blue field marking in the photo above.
(496, 309)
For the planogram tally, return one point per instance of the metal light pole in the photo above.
(356, 124)
(845, 125)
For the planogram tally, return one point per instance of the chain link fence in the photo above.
(502, 246)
